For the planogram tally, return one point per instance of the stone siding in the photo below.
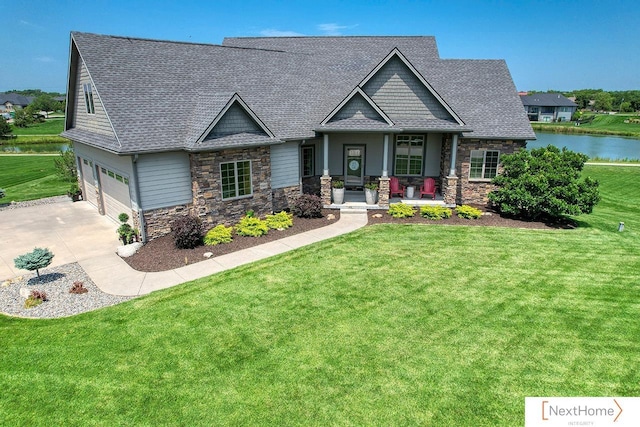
(283, 198)
(207, 186)
(158, 221)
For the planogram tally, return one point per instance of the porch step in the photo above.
(353, 210)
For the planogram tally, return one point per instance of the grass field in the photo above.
(390, 325)
(30, 177)
(603, 124)
(49, 127)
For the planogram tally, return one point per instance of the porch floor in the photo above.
(354, 199)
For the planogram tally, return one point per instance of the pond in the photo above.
(602, 147)
(34, 148)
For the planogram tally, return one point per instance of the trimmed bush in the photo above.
(435, 212)
(39, 258)
(218, 234)
(78, 288)
(468, 212)
(250, 226)
(187, 232)
(400, 210)
(307, 206)
(279, 221)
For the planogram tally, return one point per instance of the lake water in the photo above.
(604, 147)
(34, 148)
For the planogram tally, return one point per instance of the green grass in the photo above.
(29, 177)
(390, 325)
(603, 124)
(48, 127)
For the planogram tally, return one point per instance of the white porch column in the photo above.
(325, 168)
(385, 156)
(454, 151)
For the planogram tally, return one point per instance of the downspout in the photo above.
(143, 232)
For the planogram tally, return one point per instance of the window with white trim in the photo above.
(236, 179)
(88, 98)
(409, 154)
(484, 164)
(308, 161)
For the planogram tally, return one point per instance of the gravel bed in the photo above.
(29, 203)
(55, 282)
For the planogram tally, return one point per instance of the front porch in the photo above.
(355, 199)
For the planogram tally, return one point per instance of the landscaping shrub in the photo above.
(400, 210)
(187, 232)
(35, 298)
(279, 221)
(307, 206)
(39, 258)
(218, 234)
(126, 233)
(544, 183)
(78, 288)
(435, 212)
(468, 212)
(250, 226)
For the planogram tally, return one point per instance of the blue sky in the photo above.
(560, 45)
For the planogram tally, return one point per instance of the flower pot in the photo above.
(370, 196)
(338, 196)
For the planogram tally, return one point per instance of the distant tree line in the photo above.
(626, 101)
(42, 101)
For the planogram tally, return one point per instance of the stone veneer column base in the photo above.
(383, 191)
(450, 190)
(325, 189)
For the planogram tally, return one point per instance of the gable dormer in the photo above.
(402, 93)
(236, 118)
(357, 107)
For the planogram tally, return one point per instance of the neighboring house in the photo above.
(13, 101)
(217, 130)
(548, 107)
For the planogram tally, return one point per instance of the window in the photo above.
(308, 160)
(484, 164)
(409, 154)
(236, 179)
(88, 98)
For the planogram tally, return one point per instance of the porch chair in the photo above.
(428, 188)
(395, 187)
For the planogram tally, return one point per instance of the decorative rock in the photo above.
(128, 250)
(207, 254)
(331, 217)
(487, 213)
(24, 292)
(377, 215)
(6, 283)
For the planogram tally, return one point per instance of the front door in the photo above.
(354, 165)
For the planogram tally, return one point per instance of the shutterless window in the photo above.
(236, 179)
(409, 154)
(88, 98)
(484, 164)
(308, 161)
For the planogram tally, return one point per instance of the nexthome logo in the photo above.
(582, 411)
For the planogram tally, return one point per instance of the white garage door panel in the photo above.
(115, 193)
(89, 186)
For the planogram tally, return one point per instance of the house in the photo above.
(9, 102)
(217, 130)
(548, 107)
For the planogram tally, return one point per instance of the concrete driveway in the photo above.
(72, 231)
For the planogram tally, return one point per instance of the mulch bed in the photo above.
(161, 254)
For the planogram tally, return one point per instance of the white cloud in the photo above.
(333, 29)
(30, 24)
(270, 32)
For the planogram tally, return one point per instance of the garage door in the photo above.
(89, 190)
(115, 193)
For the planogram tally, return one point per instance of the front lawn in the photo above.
(53, 126)
(390, 325)
(29, 177)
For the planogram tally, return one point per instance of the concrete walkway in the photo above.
(76, 233)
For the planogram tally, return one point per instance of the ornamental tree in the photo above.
(39, 258)
(544, 183)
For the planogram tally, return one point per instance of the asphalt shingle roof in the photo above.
(547, 100)
(162, 95)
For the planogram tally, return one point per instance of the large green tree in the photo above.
(5, 128)
(603, 102)
(544, 183)
(45, 103)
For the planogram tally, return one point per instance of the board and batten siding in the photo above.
(285, 165)
(164, 180)
(98, 122)
(400, 94)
